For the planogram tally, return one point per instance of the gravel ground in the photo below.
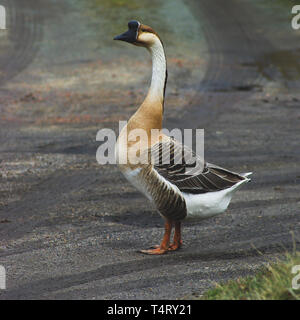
(70, 228)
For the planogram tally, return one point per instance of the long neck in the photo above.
(159, 72)
(150, 113)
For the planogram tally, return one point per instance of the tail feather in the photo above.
(245, 175)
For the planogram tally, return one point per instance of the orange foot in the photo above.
(157, 250)
(175, 246)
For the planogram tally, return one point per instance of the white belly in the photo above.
(205, 205)
(132, 177)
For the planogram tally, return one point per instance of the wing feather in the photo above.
(181, 166)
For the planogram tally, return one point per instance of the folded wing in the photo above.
(181, 166)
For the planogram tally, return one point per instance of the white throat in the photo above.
(159, 67)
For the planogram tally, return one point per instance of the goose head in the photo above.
(138, 34)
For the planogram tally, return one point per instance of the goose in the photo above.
(177, 193)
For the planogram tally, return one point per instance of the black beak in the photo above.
(128, 36)
(131, 34)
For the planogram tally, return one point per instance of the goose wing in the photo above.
(181, 166)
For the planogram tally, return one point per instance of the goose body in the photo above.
(177, 190)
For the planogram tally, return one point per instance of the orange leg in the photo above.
(164, 246)
(177, 242)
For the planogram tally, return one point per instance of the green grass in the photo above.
(272, 282)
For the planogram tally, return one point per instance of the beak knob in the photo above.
(131, 34)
